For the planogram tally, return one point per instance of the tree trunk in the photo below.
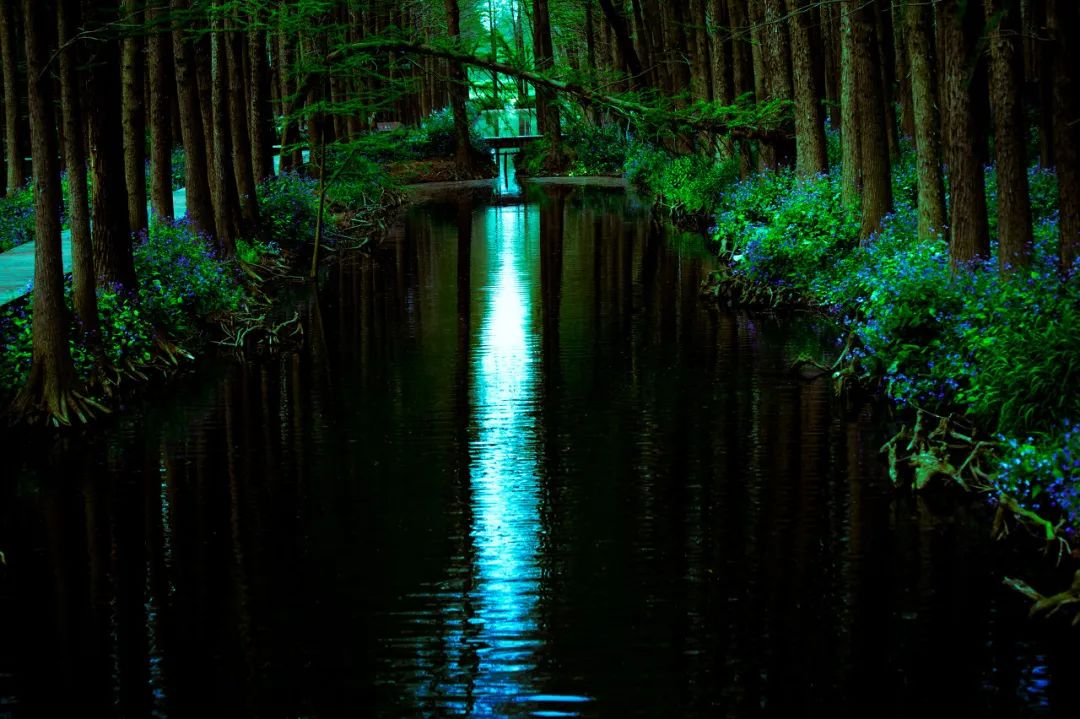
(82, 253)
(547, 112)
(850, 149)
(240, 140)
(261, 113)
(616, 20)
(700, 83)
(223, 177)
(968, 230)
(1064, 21)
(51, 370)
(159, 57)
(111, 229)
(13, 136)
(1006, 75)
(133, 115)
(809, 116)
(874, 165)
(927, 123)
(200, 207)
(719, 52)
(459, 93)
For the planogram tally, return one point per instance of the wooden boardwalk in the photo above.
(17, 265)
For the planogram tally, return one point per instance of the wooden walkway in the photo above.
(17, 265)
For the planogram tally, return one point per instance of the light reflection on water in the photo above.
(504, 465)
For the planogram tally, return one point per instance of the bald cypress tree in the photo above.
(48, 387)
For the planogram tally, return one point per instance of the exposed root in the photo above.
(933, 453)
(1052, 604)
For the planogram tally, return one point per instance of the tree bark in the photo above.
(133, 114)
(809, 116)
(111, 229)
(240, 140)
(82, 253)
(1006, 75)
(1064, 21)
(968, 230)
(459, 92)
(927, 123)
(547, 111)
(616, 20)
(159, 77)
(223, 177)
(200, 207)
(719, 52)
(14, 141)
(51, 369)
(261, 113)
(850, 148)
(874, 164)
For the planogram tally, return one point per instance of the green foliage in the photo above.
(182, 278)
(685, 184)
(590, 149)
(15, 340)
(288, 205)
(126, 337)
(17, 218)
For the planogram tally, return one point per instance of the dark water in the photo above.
(519, 469)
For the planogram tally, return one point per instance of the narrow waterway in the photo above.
(518, 469)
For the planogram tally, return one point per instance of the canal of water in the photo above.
(519, 468)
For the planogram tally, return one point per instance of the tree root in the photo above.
(1052, 604)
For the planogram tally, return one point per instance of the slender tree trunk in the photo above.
(134, 115)
(200, 207)
(1064, 21)
(886, 64)
(111, 228)
(13, 137)
(240, 140)
(719, 52)
(700, 82)
(927, 124)
(903, 69)
(850, 149)
(82, 253)
(547, 111)
(260, 114)
(1006, 75)
(616, 20)
(968, 230)
(223, 177)
(874, 165)
(809, 116)
(159, 57)
(459, 92)
(51, 370)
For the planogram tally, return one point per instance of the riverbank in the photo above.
(976, 361)
(189, 297)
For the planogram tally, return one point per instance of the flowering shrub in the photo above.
(287, 206)
(181, 276)
(17, 218)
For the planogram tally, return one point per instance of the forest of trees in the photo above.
(104, 91)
